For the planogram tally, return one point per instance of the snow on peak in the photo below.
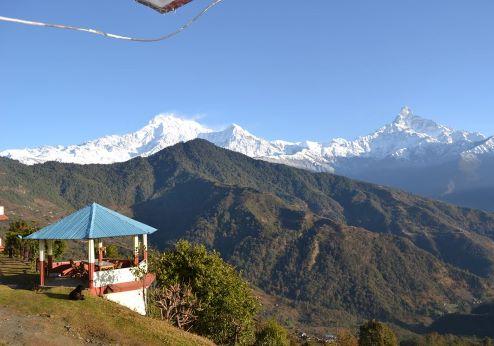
(405, 113)
(406, 120)
(485, 147)
(162, 131)
(409, 137)
(238, 139)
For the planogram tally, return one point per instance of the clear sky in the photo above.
(294, 70)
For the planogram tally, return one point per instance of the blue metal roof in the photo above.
(92, 222)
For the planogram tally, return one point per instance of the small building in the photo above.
(114, 279)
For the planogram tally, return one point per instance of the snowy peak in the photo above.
(162, 131)
(171, 123)
(409, 138)
(407, 121)
(237, 139)
(485, 147)
(404, 116)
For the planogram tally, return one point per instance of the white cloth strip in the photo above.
(114, 36)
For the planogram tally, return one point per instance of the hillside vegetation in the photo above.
(340, 250)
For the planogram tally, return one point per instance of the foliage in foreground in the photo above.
(228, 306)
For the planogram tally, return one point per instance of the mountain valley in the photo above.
(457, 164)
(343, 249)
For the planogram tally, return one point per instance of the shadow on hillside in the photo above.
(62, 296)
(416, 328)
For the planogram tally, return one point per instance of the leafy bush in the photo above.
(59, 247)
(18, 229)
(112, 251)
(28, 249)
(374, 333)
(227, 303)
(272, 334)
(344, 337)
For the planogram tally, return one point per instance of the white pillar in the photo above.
(42, 250)
(42, 262)
(136, 250)
(90, 252)
(145, 249)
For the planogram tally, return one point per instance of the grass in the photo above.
(93, 320)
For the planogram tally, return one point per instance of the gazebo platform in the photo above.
(122, 281)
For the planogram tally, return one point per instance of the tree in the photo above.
(228, 305)
(18, 229)
(272, 334)
(345, 337)
(374, 333)
(59, 247)
(112, 251)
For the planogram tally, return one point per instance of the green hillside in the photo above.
(342, 249)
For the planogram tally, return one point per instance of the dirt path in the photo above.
(18, 329)
(24, 329)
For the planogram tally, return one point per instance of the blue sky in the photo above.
(282, 69)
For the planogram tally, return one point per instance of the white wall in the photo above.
(114, 276)
(134, 300)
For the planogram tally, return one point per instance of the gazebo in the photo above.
(113, 278)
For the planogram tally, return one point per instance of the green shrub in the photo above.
(272, 334)
(18, 229)
(374, 333)
(228, 305)
(112, 251)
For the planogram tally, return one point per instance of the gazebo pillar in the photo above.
(136, 250)
(145, 247)
(49, 253)
(41, 262)
(100, 251)
(90, 260)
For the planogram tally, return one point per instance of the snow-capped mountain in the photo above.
(407, 135)
(412, 153)
(161, 132)
(408, 139)
(237, 139)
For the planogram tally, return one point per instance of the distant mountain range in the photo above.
(412, 153)
(335, 250)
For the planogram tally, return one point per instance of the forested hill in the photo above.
(339, 248)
